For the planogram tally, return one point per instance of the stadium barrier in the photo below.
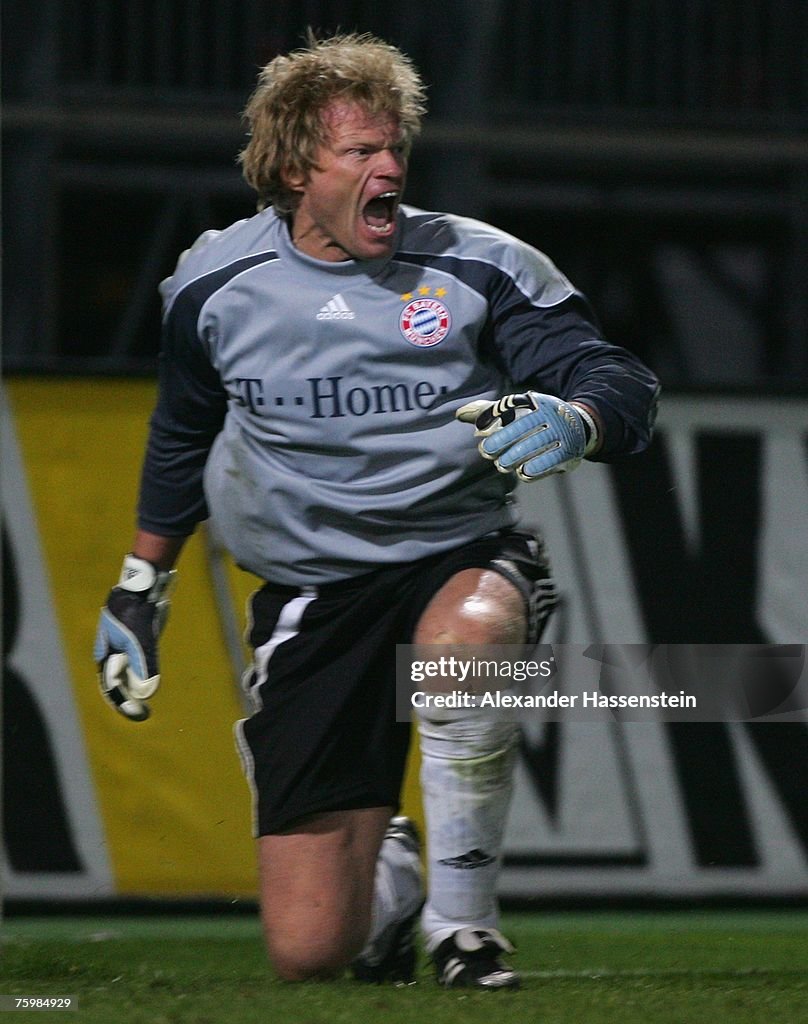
(703, 540)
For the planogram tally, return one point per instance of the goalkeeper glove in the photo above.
(128, 631)
(531, 434)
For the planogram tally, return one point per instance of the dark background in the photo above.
(654, 149)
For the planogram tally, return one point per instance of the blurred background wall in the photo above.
(656, 151)
(654, 148)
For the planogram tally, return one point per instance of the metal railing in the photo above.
(703, 61)
(674, 122)
(695, 60)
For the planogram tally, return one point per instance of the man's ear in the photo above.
(294, 180)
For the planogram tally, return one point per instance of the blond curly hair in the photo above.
(284, 114)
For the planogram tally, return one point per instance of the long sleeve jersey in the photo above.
(308, 407)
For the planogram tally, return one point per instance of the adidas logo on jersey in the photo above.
(336, 309)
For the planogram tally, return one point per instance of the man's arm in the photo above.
(190, 410)
(562, 353)
(162, 552)
(545, 335)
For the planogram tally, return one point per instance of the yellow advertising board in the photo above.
(173, 809)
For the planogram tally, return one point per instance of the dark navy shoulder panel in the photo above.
(484, 278)
(194, 294)
(190, 410)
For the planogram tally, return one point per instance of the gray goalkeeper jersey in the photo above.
(308, 407)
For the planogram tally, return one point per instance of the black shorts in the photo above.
(324, 735)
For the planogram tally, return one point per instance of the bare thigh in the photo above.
(316, 886)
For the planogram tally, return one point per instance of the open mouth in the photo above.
(380, 213)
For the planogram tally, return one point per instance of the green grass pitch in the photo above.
(676, 967)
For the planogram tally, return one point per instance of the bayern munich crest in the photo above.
(425, 322)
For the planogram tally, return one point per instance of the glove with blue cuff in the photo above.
(531, 434)
(128, 632)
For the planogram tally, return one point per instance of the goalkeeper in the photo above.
(350, 389)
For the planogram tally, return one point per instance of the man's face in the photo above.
(349, 200)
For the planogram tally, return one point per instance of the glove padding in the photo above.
(128, 631)
(531, 434)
